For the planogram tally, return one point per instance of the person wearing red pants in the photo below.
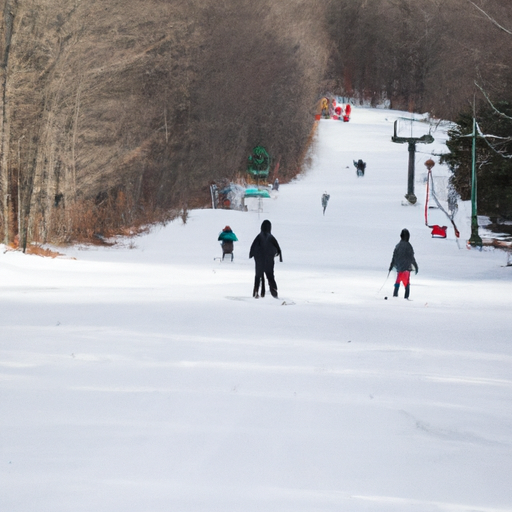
(403, 261)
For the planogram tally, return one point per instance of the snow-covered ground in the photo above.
(144, 378)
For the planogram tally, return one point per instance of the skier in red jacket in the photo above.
(346, 116)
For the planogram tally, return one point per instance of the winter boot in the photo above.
(272, 283)
(407, 289)
(255, 289)
(395, 291)
(263, 287)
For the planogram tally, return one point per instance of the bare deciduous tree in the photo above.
(423, 54)
(119, 112)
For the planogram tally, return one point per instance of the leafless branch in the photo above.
(501, 153)
(493, 21)
(501, 114)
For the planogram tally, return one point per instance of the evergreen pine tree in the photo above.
(493, 158)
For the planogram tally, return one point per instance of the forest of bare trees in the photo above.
(423, 55)
(120, 113)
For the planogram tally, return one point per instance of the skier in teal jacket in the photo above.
(226, 238)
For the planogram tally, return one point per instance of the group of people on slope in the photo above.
(265, 248)
(333, 110)
(360, 168)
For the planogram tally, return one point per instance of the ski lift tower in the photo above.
(411, 141)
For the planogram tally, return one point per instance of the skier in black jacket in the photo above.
(264, 249)
(403, 260)
(360, 167)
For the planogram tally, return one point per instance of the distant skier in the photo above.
(403, 261)
(275, 186)
(227, 239)
(264, 249)
(325, 108)
(325, 200)
(360, 167)
(346, 116)
(332, 107)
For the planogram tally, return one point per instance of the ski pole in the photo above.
(385, 281)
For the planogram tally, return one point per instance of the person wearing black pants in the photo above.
(264, 249)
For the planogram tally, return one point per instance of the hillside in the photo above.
(123, 113)
(120, 114)
(145, 376)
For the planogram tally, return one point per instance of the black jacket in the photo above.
(265, 247)
(403, 255)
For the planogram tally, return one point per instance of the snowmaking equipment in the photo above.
(258, 167)
(258, 164)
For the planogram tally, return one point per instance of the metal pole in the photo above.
(410, 174)
(412, 141)
(474, 240)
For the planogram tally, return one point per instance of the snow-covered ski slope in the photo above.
(146, 379)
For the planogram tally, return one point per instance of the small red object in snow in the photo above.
(438, 231)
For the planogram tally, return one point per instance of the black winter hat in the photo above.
(266, 226)
(405, 235)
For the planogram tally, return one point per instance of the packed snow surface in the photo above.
(145, 377)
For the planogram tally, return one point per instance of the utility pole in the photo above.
(474, 240)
